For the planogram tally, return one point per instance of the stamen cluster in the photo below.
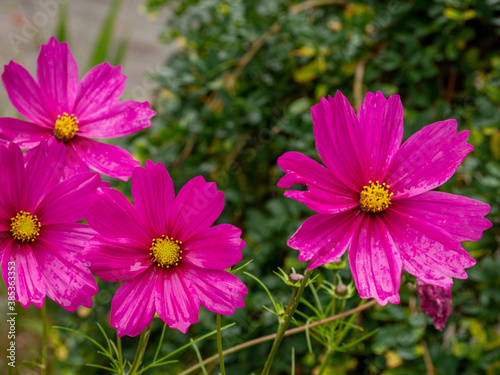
(66, 126)
(375, 198)
(166, 251)
(25, 227)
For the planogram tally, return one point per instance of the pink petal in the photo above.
(153, 193)
(382, 121)
(25, 134)
(460, 216)
(302, 170)
(218, 247)
(113, 216)
(133, 306)
(67, 279)
(176, 300)
(323, 202)
(427, 159)
(43, 172)
(67, 200)
(5, 236)
(324, 238)
(326, 194)
(339, 140)
(74, 163)
(106, 159)
(100, 87)
(375, 262)
(72, 237)
(117, 120)
(30, 288)
(57, 74)
(435, 302)
(12, 173)
(218, 291)
(116, 259)
(427, 251)
(26, 96)
(195, 208)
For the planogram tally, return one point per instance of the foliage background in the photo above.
(237, 95)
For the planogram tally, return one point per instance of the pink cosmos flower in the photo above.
(435, 302)
(374, 197)
(60, 107)
(165, 250)
(41, 242)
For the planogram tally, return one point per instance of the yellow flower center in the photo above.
(166, 251)
(375, 197)
(66, 126)
(25, 227)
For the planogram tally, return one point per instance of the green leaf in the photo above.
(103, 42)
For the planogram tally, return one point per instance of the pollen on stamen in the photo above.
(166, 252)
(25, 227)
(66, 126)
(375, 197)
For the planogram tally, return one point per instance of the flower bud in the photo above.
(295, 277)
(341, 290)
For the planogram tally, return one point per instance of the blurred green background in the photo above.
(236, 94)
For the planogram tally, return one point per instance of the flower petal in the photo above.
(43, 172)
(302, 170)
(13, 175)
(113, 216)
(57, 74)
(71, 237)
(338, 136)
(30, 288)
(26, 134)
(435, 302)
(67, 200)
(218, 247)
(116, 259)
(117, 120)
(324, 238)
(382, 122)
(427, 251)
(195, 208)
(99, 88)
(176, 300)
(218, 291)
(427, 159)
(26, 96)
(460, 216)
(74, 163)
(153, 193)
(133, 306)
(326, 193)
(67, 279)
(375, 262)
(106, 159)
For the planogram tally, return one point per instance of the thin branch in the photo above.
(297, 8)
(358, 83)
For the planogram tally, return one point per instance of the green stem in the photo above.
(161, 342)
(283, 326)
(343, 333)
(44, 338)
(200, 360)
(325, 361)
(141, 348)
(219, 346)
(120, 355)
